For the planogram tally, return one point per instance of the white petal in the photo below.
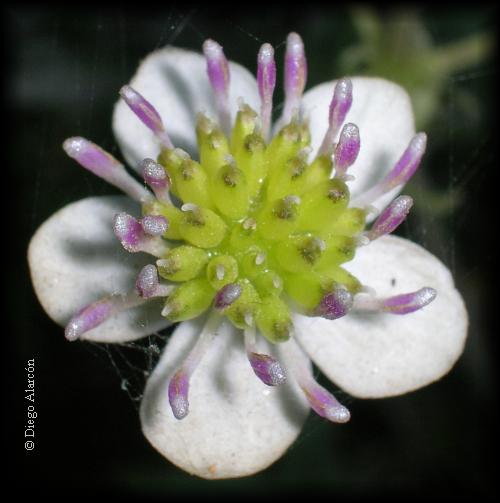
(236, 425)
(175, 82)
(382, 110)
(75, 259)
(379, 354)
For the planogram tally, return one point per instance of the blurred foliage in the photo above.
(398, 46)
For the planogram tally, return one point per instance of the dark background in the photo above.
(63, 70)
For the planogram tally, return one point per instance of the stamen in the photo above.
(266, 368)
(98, 312)
(266, 79)
(249, 224)
(148, 284)
(147, 114)
(295, 76)
(335, 304)
(204, 124)
(154, 225)
(320, 243)
(361, 240)
(195, 213)
(105, 166)
(248, 317)
(190, 207)
(260, 258)
(227, 295)
(178, 387)
(286, 208)
(391, 218)
(292, 199)
(218, 74)
(220, 271)
(324, 403)
(339, 106)
(168, 308)
(277, 282)
(409, 302)
(156, 177)
(321, 401)
(399, 304)
(408, 163)
(400, 174)
(347, 149)
(131, 234)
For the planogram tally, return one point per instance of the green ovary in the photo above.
(257, 215)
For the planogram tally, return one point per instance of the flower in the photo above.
(249, 245)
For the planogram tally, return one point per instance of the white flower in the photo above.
(275, 239)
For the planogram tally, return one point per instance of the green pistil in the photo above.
(259, 216)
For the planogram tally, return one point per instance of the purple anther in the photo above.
(407, 164)
(154, 225)
(147, 281)
(227, 295)
(267, 369)
(157, 178)
(325, 404)
(148, 285)
(266, 73)
(347, 149)
(266, 79)
(218, 74)
(129, 231)
(320, 400)
(217, 66)
(154, 174)
(178, 389)
(408, 302)
(104, 165)
(335, 304)
(89, 317)
(91, 156)
(390, 219)
(146, 113)
(295, 66)
(339, 106)
(295, 75)
(133, 238)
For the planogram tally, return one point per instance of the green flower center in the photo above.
(259, 216)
